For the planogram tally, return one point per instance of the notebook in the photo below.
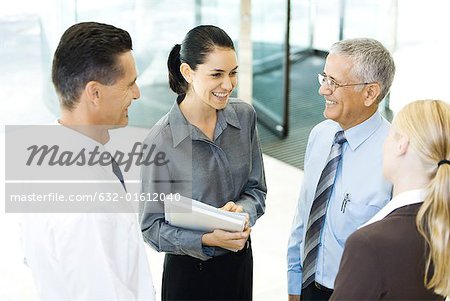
(194, 215)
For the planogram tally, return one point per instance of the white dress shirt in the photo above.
(87, 256)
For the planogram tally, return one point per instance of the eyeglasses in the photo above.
(332, 84)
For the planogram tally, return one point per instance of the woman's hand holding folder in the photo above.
(233, 207)
(228, 240)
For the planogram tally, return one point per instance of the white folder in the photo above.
(194, 215)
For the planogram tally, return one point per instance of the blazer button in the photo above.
(200, 266)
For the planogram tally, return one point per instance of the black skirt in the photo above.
(226, 277)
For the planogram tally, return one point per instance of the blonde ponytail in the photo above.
(427, 124)
(433, 222)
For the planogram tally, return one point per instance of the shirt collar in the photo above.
(358, 134)
(181, 128)
(403, 199)
(231, 116)
(82, 139)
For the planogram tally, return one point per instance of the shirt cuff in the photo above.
(192, 245)
(294, 283)
(250, 209)
(208, 251)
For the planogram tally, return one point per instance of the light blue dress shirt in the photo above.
(359, 192)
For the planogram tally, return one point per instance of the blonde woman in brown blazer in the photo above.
(403, 252)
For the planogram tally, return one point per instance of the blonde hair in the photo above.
(427, 124)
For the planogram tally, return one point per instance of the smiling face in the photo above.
(346, 105)
(214, 80)
(117, 98)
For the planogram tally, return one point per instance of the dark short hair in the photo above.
(87, 52)
(196, 45)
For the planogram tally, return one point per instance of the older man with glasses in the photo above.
(343, 185)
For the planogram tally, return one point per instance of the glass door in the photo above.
(270, 34)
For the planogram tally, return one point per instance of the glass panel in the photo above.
(326, 23)
(226, 15)
(300, 26)
(154, 36)
(422, 22)
(368, 18)
(222, 13)
(268, 40)
(30, 32)
(22, 49)
(422, 41)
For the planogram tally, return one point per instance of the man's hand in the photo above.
(294, 298)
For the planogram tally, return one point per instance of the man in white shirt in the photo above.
(97, 253)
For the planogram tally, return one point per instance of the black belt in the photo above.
(323, 288)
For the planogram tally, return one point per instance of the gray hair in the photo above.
(372, 62)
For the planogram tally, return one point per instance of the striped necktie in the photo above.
(319, 208)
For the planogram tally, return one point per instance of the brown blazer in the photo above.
(385, 261)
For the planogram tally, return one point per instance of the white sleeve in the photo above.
(97, 255)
